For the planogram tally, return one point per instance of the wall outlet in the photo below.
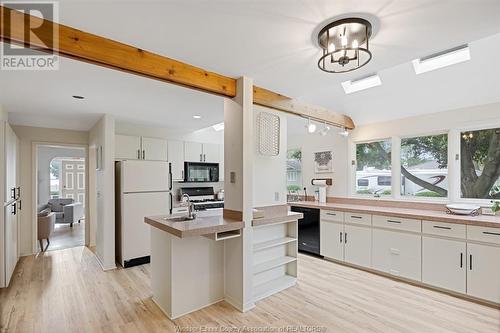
(232, 177)
(276, 196)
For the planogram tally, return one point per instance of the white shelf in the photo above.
(267, 289)
(270, 264)
(273, 243)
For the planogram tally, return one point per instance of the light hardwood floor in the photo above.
(66, 291)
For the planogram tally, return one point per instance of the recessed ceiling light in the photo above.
(78, 97)
(361, 84)
(196, 117)
(218, 127)
(442, 59)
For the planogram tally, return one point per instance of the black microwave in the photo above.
(200, 172)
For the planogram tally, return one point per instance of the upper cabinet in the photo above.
(154, 149)
(202, 152)
(176, 157)
(130, 147)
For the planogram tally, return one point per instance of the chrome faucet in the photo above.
(191, 215)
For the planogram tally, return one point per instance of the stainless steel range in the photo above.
(202, 198)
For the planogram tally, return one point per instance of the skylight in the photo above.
(361, 84)
(442, 59)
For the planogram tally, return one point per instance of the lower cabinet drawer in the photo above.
(332, 215)
(397, 223)
(363, 219)
(444, 229)
(483, 234)
(397, 253)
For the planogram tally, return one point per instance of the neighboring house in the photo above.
(293, 172)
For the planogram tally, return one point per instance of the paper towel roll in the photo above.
(319, 182)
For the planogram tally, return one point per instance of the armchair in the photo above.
(46, 220)
(66, 210)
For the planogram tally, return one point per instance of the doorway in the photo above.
(61, 197)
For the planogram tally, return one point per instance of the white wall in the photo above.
(103, 209)
(447, 121)
(269, 177)
(27, 137)
(45, 155)
(207, 135)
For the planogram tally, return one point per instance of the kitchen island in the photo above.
(187, 261)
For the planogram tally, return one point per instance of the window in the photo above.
(424, 166)
(384, 180)
(480, 164)
(373, 160)
(55, 172)
(294, 170)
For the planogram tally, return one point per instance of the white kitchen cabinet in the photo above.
(221, 163)
(483, 272)
(176, 157)
(193, 151)
(128, 147)
(357, 245)
(154, 149)
(332, 239)
(443, 263)
(211, 153)
(397, 253)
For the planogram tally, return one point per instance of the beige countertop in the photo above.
(201, 225)
(420, 214)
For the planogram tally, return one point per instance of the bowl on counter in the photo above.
(463, 209)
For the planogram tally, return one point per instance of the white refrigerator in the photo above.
(143, 188)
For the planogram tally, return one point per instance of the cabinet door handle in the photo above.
(201, 157)
(461, 260)
(470, 262)
(19, 205)
(345, 237)
(341, 236)
(491, 233)
(14, 209)
(143, 154)
(393, 221)
(332, 214)
(18, 195)
(138, 154)
(356, 217)
(440, 227)
(13, 193)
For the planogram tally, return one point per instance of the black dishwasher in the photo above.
(308, 229)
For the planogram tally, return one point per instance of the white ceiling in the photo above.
(271, 42)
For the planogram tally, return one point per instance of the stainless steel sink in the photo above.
(179, 218)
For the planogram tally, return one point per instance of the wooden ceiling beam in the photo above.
(90, 48)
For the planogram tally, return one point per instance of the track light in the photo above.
(344, 132)
(311, 128)
(325, 130)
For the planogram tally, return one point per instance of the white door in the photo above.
(443, 263)
(193, 152)
(127, 147)
(332, 240)
(211, 153)
(358, 242)
(11, 254)
(145, 176)
(483, 272)
(176, 157)
(73, 180)
(10, 164)
(397, 253)
(154, 149)
(221, 163)
(135, 234)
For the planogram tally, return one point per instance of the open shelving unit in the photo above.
(274, 257)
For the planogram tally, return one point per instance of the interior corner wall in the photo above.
(27, 136)
(103, 135)
(269, 179)
(45, 155)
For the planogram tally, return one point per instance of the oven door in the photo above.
(195, 172)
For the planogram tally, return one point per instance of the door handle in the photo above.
(393, 221)
(341, 236)
(138, 154)
(13, 193)
(491, 233)
(201, 157)
(14, 209)
(461, 260)
(470, 262)
(356, 217)
(18, 195)
(345, 237)
(143, 154)
(204, 157)
(19, 204)
(440, 227)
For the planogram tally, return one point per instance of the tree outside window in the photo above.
(480, 164)
(294, 170)
(373, 168)
(424, 166)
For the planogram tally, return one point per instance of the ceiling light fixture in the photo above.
(78, 97)
(361, 84)
(345, 45)
(344, 132)
(325, 130)
(197, 117)
(218, 127)
(311, 128)
(442, 59)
